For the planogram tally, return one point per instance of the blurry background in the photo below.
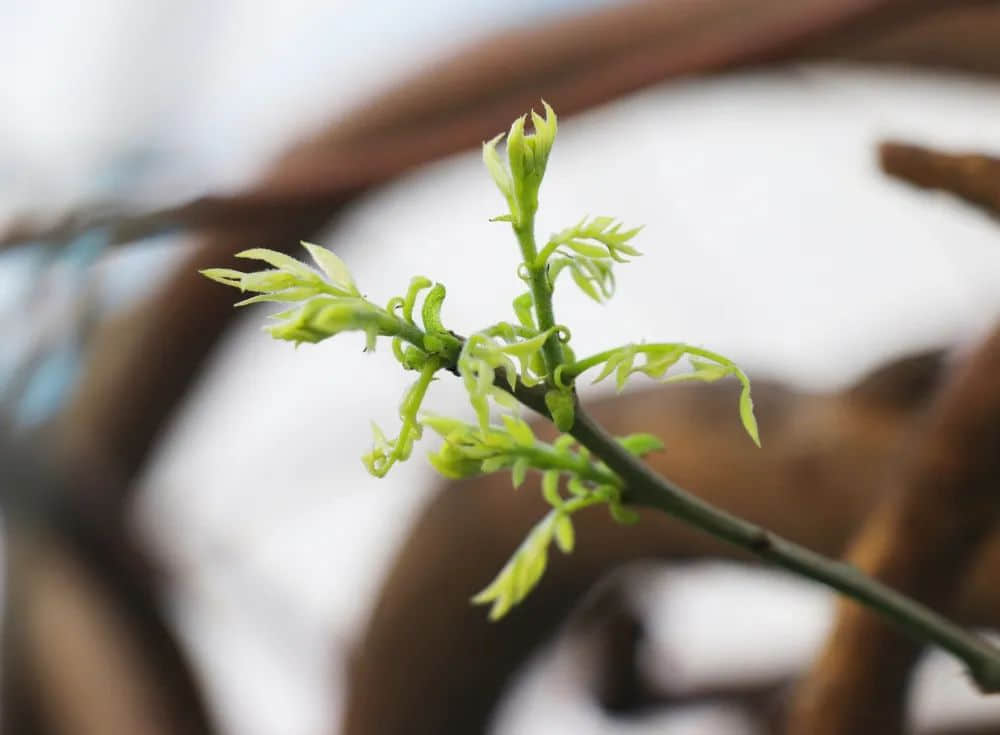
(770, 236)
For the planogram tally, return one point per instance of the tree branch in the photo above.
(972, 176)
(922, 539)
(644, 487)
(422, 640)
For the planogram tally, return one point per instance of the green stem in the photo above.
(542, 456)
(579, 502)
(415, 399)
(644, 487)
(541, 292)
(393, 326)
(547, 251)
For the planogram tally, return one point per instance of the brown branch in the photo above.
(143, 362)
(603, 638)
(956, 35)
(972, 176)
(972, 728)
(926, 532)
(87, 650)
(575, 62)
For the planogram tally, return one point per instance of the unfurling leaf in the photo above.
(523, 310)
(611, 363)
(518, 472)
(225, 276)
(581, 280)
(269, 281)
(503, 179)
(298, 293)
(282, 262)
(641, 444)
(550, 488)
(527, 157)
(519, 575)
(334, 268)
(417, 284)
(575, 485)
(658, 361)
(564, 533)
(746, 414)
(707, 372)
(623, 514)
(624, 369)
(519, 429)
(387, 452)
(431, 313)
(325, 316)
(561, 409)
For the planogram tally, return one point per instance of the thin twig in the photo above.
(644, 487)
(834, 447)
(541, 291)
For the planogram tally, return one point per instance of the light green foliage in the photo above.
(641, 444)
(469, 450)
(717, 367)
(498, 362)
(386, 452)
(593, 276)
(527, 157)
(587, 251)
(707, 366)
(330, 303)
(483, 356)
(560, 404)
(600, 238)
(527, 565)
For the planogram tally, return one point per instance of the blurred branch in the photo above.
(147, 358)
(951, 34)
(972, 176)
(86, 647)
(920, 540)
(972, 728)
(604, 638)
(123, 226)
(578, 62)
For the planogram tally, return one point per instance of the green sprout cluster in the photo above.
(530, 352)
(529, 362)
